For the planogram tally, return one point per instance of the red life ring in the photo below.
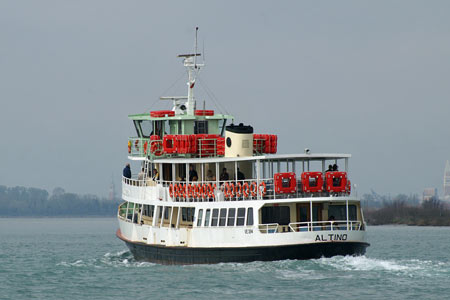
(162, 113)
(263, 192)
(254, 189)
(136, 145)
(245, 189)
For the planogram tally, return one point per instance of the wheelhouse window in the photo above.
(143, 128)
(200, 127)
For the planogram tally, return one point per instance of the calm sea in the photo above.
(82, 259)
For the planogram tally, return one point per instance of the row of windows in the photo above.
(225, 217)
(212, 217)
(187, 213)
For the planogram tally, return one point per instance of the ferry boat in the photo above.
(212, 191)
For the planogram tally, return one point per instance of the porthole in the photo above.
(228, 142)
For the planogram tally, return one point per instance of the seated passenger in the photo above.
(224, 175)
(127, 171)
(210, 176)
(330, 169)
(335, 168)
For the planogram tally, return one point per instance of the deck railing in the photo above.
(312, 226)
(219, 190)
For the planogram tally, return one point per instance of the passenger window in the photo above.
(215, 216)
(250, 216)
(184, 214)
(167, 213)
(223, 215)
(191, 213)
(231, 216)
(199, 219)
(207, 215)
(240, 217)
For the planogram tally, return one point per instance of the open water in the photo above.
(82, 259)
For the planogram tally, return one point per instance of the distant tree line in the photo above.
(403, 209)
(23, 201)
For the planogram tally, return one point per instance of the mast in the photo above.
(193, 68)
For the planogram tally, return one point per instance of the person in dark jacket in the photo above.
(240, 175)
(193, 176)
(127, 171)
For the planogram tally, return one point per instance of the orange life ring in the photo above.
(175, 191)
(245, 189)
(226, 190)
(263, 192)
(232, 190)
(171, 190)
(211, 189)
(182, 190)
(254, 189)
(189, 191)
(238, 189)
(195, 193)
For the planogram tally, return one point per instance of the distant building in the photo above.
(112, 190)
(447, 181)
(429, 193)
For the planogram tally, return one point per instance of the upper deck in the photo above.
(264, 177)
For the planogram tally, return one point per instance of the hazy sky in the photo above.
(370, 78)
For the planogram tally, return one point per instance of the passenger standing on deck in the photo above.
(240, 175)
(192, 173)
(155, 176)
(127, 171)
(224, 175)
(141, 174)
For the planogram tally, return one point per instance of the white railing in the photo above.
(268, 228)
(325, 226)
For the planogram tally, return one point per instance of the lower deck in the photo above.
(242, 224)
